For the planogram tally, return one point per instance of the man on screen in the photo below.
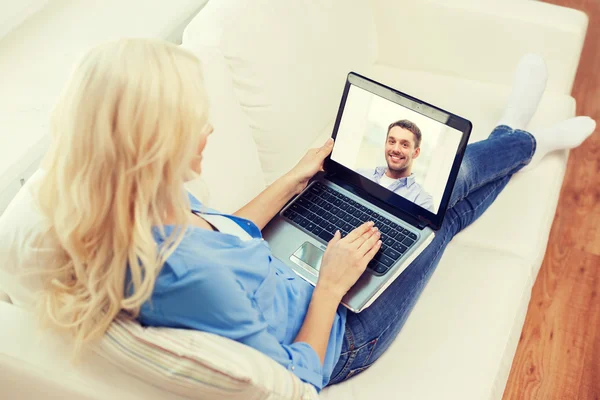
(402, 147)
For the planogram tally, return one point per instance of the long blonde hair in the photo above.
(125, 131)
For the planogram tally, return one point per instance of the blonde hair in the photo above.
(125, 131)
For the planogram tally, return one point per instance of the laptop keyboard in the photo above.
(321, 210)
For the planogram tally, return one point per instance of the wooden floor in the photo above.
(559, 352)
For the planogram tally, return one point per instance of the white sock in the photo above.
(528, 87)
(565, 135)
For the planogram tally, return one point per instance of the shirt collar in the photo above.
(407, 181)
(197, 206)
(246, 224)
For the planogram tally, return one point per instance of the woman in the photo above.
(130, 129)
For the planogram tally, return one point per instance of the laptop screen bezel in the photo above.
(397, 202)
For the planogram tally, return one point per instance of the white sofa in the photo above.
(38, 53)
(274, 71)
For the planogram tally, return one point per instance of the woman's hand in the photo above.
(309, 165)
(346, 259)
(264, 206)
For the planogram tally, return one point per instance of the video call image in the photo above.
(400, 149)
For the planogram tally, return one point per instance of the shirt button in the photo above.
(293, 368)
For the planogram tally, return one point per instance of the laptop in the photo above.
(394, 161)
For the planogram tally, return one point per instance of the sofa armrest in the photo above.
(480, 40)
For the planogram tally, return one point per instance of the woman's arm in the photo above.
(264, 206)
(316, 328)
(214, 300)
(344, 262)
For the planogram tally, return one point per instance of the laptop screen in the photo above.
(404, 151)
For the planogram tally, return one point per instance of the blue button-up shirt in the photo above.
(406, 187)
(215, 282)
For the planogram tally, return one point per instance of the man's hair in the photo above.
(409, 126)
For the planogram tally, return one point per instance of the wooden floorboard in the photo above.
(559, 351)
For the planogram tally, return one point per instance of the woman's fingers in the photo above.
(358, 232)
(372, 251)
(336, 238)
(370, 241)
(324, 150)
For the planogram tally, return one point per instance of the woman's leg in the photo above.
(369, 333)
(503, 153)
(486, 169)
(508, 150)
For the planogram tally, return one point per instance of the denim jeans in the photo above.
(486, 169)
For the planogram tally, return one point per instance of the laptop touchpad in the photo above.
(308, 255)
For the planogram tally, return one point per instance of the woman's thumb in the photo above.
(336, 237)
(325, 150)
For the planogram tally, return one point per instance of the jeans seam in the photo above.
(350, 338)
(344, 371)
(477, 207)
(533, 143)
(374, 341)
(505, 172)
(351, 355)
(495, 177)
(348, 370)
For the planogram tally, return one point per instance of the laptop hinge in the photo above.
(419, 223)
(423, 222)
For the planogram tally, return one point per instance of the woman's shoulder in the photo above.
(193, 251)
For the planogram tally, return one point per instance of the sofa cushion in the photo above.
(288, 62)
(23, 380)
(230, 162)
(13, 13)
(21, 227)
(198, 365)
(93, 376)
(4, 297)
(459, 340)
(160, 363)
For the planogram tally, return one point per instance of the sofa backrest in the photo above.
(288, 63)
(22, 226)
(13, 13)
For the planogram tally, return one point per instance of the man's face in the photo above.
(400, 149)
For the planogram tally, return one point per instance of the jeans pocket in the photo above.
(357, 361)
(357, 371)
